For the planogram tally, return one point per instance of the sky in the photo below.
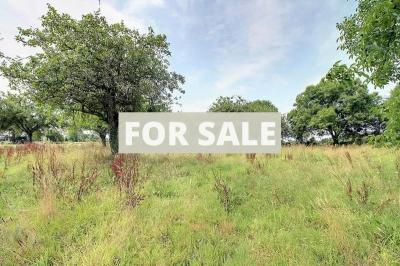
(258, 49)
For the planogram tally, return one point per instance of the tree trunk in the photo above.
(103, 139)
(334, 136)
(113, 127)
(13, 137)
(30, 136)
(335, 140)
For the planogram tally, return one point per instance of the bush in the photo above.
(54, 136)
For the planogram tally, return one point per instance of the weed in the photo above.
(126, 174)
(363, 193)
(397, 165)
(258, 165)
(288, 156)
(349, 189)
(225, 194)
(208, 158)
(276, 198)
(51, 176)
(250, 157)
(292, 213)
(37, 168)
(348, 157)
(55, 166)
(383, 205)
(87, 179)
(8, 157)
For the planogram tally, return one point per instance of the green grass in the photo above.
(284, 210)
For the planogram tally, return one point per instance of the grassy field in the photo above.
(74, 204)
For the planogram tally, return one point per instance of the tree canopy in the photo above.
(19, 112)
(392, 106)
(76, 122)
(95, 67)
(339, 106)
(239, 104)
(371, 36)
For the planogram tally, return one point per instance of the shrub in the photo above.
(50, 175)
(228, 199)
(126, 175)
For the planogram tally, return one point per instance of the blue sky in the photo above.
(259, 49)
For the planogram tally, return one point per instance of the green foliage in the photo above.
(5, 119)
(93, 123)
(76, 122)
(286, 129)
(372, 37)
(18, 112)
(226, 196)
(340, 106)
(316, 208)
(239, 104)
(260, 106)
(228, 104)
(299, 124)
(392, 133)
(94, 67)
(54, 136)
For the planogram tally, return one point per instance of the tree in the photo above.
(94, 67)
(74, 123)
(228, 104)
(286, 129)
(239, 104)
(372, 37)
(93, 123)
(392, 132)
(260, 106)
(299, 123)
(339, 106)
(5, 121)
(19, 112)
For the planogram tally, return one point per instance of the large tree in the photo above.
(340, 106)
(97, 68)
(21, 113)
(371, 36)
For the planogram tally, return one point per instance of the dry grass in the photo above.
(67, 204)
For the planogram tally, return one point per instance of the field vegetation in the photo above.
(76, 204)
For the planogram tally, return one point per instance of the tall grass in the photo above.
(76, 204)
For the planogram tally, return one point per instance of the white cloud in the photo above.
(232, 73)
(196, 105)
(29, 13)
(139, 5)
(263, 39)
